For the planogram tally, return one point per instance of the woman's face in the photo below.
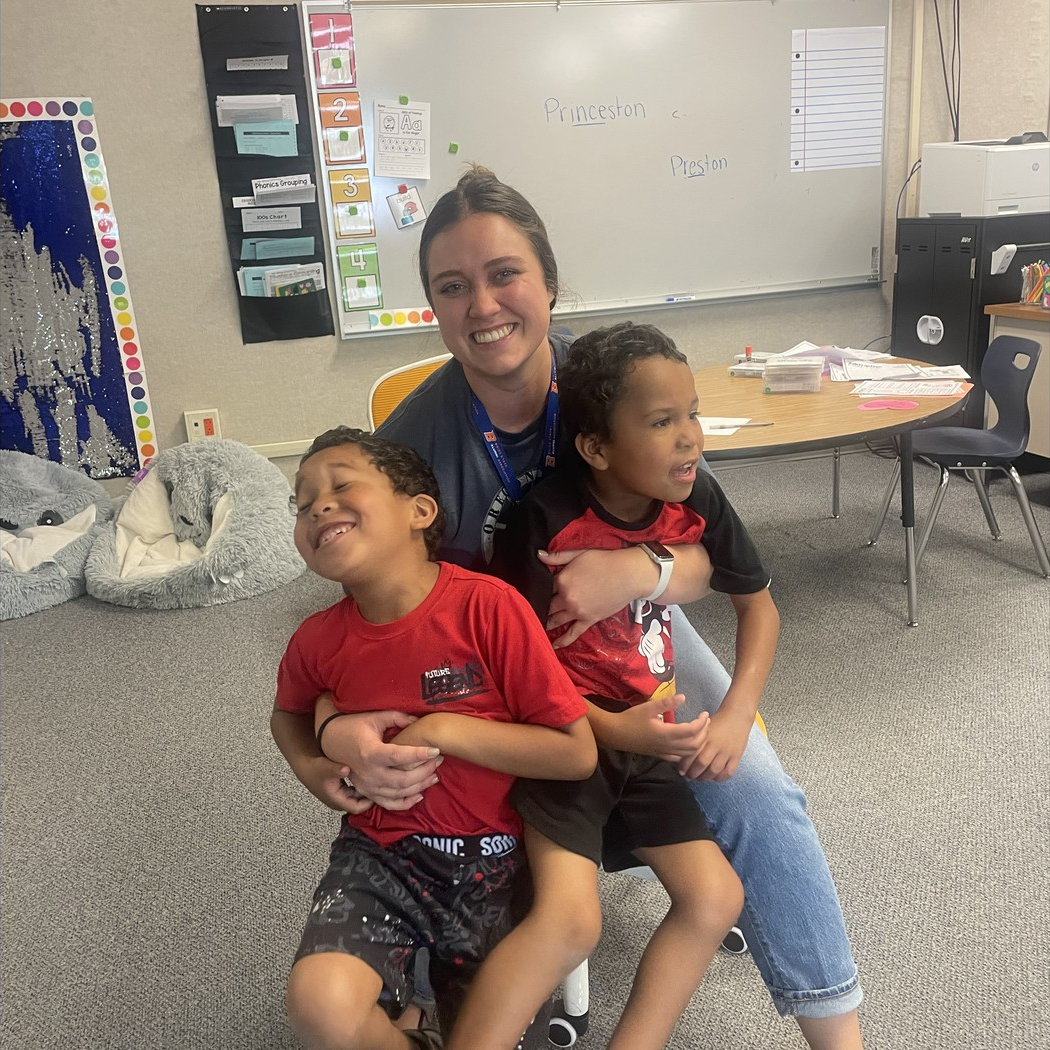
(490, 297)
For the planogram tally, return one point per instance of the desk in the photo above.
(809, 422)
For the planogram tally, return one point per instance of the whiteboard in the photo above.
(659, 141)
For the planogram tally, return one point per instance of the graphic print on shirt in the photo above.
(655, 644)
(446, 684)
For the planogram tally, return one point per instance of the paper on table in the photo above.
(858, 370)
(942, 372)
(919, 388)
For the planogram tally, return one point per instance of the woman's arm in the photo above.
(535, 751)
(594, 584)
(391, 775)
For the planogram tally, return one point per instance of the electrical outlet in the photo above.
(204, 423)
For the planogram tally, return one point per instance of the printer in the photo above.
(1006, 177)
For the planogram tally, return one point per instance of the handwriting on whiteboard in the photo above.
(692, 168)
(589, 114)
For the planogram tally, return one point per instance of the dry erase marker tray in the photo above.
(793, 375)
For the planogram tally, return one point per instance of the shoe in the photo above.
(428, 1035)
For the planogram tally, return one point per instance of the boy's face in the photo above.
(656, 441)
(350, 523)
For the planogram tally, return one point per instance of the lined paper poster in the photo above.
(838, 88)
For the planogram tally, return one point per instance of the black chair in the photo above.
(1009, 364)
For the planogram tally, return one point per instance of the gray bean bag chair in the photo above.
(209, 522)
(50, 515)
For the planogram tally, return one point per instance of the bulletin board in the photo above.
(72, 373)
(677, 151)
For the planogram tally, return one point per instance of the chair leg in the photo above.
(880, 518)
(980, 484)
(1029, 520)
(569, 1020)
(836, 481)
(931, 518)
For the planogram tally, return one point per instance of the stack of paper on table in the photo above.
(908, 388)
(860, 370)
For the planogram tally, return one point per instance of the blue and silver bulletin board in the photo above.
(72, 380)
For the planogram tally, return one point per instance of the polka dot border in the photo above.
(402, 318)
(80, 113)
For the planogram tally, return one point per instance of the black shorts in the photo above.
(382, 904)
(629, 802)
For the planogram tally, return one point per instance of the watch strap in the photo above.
(665, 565)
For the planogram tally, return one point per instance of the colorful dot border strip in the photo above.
(409, 317)
(80, 112)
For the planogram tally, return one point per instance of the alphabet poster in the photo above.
(72, 379)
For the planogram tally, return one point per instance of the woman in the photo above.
(487, 423)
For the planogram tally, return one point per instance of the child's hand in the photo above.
(327, 781)
(718, 758)
(646, 733)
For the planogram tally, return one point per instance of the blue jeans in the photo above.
(792, 917)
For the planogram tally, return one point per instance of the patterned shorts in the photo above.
(382, 904)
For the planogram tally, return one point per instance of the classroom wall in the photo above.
(140, 64)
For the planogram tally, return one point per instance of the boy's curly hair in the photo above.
(408, 472)
(592, 378)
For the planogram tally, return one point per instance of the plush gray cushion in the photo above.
(51, 516)
(210, 522)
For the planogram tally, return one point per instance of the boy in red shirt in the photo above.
(629, 401)
(463, 657)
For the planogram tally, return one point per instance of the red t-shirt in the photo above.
(472, 647)
(627, 656)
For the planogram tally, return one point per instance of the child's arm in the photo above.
(523, 750)
(294, 736)
(642, 729)
(758, 625)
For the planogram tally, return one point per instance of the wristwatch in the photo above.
(663, 559)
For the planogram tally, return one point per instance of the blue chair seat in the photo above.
(1007, 372)
(964, 447)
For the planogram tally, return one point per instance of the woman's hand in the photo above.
(591, 585)
(594, 584)
(393, 776)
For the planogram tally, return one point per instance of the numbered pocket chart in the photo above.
(264, 159)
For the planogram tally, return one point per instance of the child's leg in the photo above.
(518, 976)
(706, 900)
(333, 1004)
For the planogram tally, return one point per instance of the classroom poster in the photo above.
(354, 199)
(72, 379)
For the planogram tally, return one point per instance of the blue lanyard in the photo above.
(495, 446)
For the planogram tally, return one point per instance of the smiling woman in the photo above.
(489, 423)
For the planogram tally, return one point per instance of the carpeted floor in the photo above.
(158, 856)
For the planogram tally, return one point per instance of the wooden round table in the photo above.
(828, 419)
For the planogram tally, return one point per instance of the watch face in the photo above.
(657, 551)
